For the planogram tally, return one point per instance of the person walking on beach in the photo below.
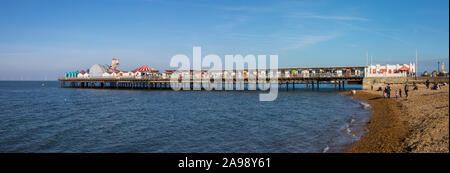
(400, 92)
(388, 88)
(406, 90)
(415, 87)
(396, 94)
(427, 83)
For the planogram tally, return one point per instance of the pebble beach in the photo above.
(417, 124)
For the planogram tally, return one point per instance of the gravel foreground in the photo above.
(419, 124)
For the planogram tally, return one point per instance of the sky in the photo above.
(42, 39)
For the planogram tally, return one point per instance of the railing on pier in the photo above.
(246, 77)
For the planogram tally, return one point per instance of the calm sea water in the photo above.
(52, 119)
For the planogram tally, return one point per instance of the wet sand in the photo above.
(419, 124)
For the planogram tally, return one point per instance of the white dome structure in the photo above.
(97, 70)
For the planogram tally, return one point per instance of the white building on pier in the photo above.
(387, 70)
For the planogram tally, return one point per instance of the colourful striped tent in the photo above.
(144, 68)
(404, 68)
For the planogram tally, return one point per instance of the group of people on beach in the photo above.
(387, 91)
(436, 85)
(398, 93)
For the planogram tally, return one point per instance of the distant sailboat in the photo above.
(43, 83)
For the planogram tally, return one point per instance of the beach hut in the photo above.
(174, 76)
(71, 74)
(167, 74)
(270, 73)
(287, 73)
(109, 74)
(126, 74)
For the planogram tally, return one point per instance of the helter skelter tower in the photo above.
(115, 63)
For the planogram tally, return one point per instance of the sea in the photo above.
(50, 119)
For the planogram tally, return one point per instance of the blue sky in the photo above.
(47, 38)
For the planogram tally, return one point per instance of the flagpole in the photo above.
(416, 70)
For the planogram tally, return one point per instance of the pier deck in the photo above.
(160, 83)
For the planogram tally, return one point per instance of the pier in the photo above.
(310, 77)
(133, 83)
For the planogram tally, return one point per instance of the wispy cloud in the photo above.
(375, 31)
(324, 17)
(231, 22)
(308, 40)
(247, 9)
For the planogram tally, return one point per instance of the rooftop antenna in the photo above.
(367, 58)
(371, 58)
